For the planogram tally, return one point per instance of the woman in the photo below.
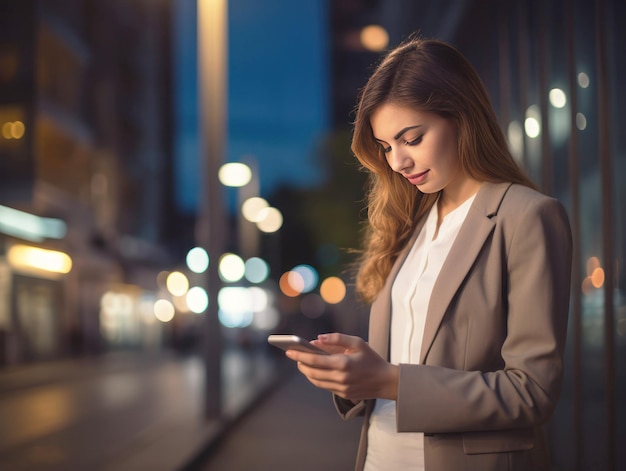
(467, 267)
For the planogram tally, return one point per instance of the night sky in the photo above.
(278, 92)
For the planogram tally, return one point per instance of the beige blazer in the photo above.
(492, 353)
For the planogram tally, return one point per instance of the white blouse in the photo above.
(410, 295)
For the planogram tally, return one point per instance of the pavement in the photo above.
(295, 427)
(135, 412)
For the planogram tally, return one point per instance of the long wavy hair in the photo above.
(430, 76)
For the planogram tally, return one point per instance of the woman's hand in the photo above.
(352, 370)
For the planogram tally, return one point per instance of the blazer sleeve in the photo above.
(438, 399)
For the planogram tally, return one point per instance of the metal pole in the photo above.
(604, 151)
(212, 70)
(574, 184)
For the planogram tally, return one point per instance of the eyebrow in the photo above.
(399, 135)
(408, 128)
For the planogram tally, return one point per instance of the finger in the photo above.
(314, 360)
(332, 349)
(348, 342)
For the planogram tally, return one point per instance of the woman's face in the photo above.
(420, 146)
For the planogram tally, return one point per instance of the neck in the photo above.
(454, 196)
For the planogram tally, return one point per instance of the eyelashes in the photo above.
(414, 142)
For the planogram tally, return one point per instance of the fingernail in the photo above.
(322, 337)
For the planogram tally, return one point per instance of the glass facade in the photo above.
(556, 83)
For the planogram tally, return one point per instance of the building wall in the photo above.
(90, 81)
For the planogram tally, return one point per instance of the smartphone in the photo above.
(293, 342)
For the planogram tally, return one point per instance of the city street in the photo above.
(120, 411)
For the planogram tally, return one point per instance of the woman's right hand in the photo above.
(352, 370)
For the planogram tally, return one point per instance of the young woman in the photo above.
(467, 268)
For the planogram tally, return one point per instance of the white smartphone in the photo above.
(293, 342)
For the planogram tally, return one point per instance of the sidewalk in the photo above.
(122, 412)
(294, 428)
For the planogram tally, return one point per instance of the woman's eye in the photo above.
(387, 149)
(415, 141)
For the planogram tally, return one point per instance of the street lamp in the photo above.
(212, 69)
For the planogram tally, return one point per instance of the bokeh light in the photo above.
(268, 319)
(287, 281)
(259, 298)
(309, 277)
(164, 310)
(197, 260)
(177, 283)
(333, 290)
(235, 306)
(26, 257)
(231, 268)
(558, 99)
(270, 220)
(235, 174)
(532, 124)
(374, 38)
(583, 80)
(197, 300)
(256, 270)
(252, 207)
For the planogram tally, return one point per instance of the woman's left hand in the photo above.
(352, 370)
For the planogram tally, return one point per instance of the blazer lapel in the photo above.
(471, 238)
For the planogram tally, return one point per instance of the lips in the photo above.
(417, 178)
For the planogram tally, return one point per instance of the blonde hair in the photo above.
(431, 76)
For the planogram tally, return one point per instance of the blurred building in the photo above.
(85, 154)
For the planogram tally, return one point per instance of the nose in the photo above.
(398, 160)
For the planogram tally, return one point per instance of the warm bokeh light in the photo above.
(13, 130)
(309, 277)
(374, 38)
(583, 80)
(34, 258)
(256, 270)
(333, 290)
(586, 286)
(197, 260)
(270, 220)
(235, 174)
(197, 300)
(592, 264)
(177, 283)
(285, 284)
(231, 268)
(597, 278)
(164, 310)
(296, 282)
(252, 207)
